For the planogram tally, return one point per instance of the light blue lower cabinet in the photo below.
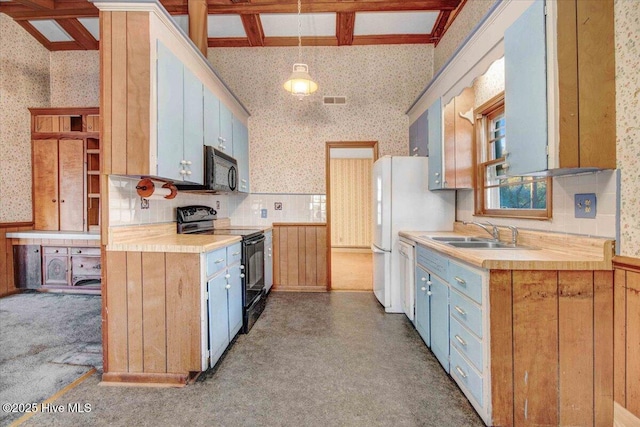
(218, 316)
(466, 375)
(440, 321)
(235, 300)
(422, 315)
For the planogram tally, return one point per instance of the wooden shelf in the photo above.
(93, 151)
(93, 172)
(93, 195)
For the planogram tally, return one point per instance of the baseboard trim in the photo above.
(141, 379)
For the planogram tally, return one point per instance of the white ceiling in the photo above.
(379, 23)
(51, 30)
(278, 25)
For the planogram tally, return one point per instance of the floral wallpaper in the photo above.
(75, 78)
(627, 40)
(472, 12)
(24, 83)
(288, 136)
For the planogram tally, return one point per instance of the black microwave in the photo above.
(221, 171)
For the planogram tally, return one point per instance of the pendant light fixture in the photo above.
(300, 83)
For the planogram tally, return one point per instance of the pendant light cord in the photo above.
(299, 31)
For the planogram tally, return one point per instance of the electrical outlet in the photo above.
(585, 205)
(144, 203)
(277, 206)
(263, 213)
(217, 204)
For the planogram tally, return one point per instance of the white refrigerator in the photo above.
(402, 201)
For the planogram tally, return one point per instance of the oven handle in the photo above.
(254, 241)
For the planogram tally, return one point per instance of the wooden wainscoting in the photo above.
(151, 317)
(7, 283)
(300, 254)
(626, 339)
(552, 347)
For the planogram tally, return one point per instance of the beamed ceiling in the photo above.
(73, 24)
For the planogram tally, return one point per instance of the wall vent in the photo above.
(334, 100)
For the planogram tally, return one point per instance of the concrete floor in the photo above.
(332, 359)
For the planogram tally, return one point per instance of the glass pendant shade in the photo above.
(300, 82)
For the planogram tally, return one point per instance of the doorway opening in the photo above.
(348, 175)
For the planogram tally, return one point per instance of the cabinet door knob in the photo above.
(437, 173)
(79, 251)
(242, 275)
(228, 287)
(81, 265)
(36, 251)
(227, 276)
(423, 289)
(423, 279)
(188, 162)
(437, 181)
(241, 267)
(53, 200)
(56, 251)
(188, 172)
(429, 293)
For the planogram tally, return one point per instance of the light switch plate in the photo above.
(585, 205)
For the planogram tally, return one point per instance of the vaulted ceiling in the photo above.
(73, 24)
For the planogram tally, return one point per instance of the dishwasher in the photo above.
(407, 277)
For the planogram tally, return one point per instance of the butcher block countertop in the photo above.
(163, 238)
(550, 251)
(54, 235)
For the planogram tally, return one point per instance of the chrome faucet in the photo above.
(514, 234)
(495, 233)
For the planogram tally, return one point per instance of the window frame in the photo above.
(482, 120)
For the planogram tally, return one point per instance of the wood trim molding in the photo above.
(16, 224)
(393, 39)
(228, 42)
(626, 263)
(144, 379)
(38, 4)
(198, 24)
(306, 41)
(438, 28)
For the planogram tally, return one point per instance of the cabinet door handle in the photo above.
(460, 281)
(460, 340)
(235, 253)
(218, 261)
(228, 287)
(461, 311)
(461, 372)
(415, 149)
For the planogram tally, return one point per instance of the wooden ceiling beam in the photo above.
(327, 6)
(345, 23)
(306, 41)
(228, 42)
(198, 29)
(393, 39)
(25, 15)
(65, 46)
(441, 22)
(79, 33)
(38, 4)
(253, 27)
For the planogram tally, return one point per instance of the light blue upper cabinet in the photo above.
(526, 92)
(241, 154)
(418, 136)
(193, 128)
(434, 133)
(170, 114)
(211, 118)
(225, 141)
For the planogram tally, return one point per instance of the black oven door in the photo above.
(253, 258)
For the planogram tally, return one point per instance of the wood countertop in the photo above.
(550, 251)
(163, 238)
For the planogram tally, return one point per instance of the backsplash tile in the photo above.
(246, 209)
(603, 183)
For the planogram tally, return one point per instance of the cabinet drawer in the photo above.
(216, 261)
(51, 250)
(467, 377)
(432, 261)
(466, 343)
(85, 266)
(466, 280)
(234, 253)
(85, 251)
(466, 312)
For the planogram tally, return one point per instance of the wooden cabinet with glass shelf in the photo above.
(51, 127)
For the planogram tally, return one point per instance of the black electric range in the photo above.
(199, 220)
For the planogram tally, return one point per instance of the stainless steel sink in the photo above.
(487, 245)
(456, 239)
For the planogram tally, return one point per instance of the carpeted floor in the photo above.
(47, 341)
(333, 359)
